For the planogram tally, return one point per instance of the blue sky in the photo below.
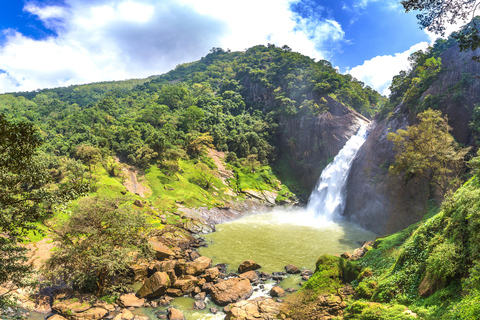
(53, 43)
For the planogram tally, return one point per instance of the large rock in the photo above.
(165, 266)
(248, 265)
(197, 226)
(231, 290)
(42, 303)
(292, 269)
(196, 267)
(95, 313)
(277, 292)
(161, 250)
(140, 271)
(250, 275)
(186, 284)
(155, 286)
(174, 314)
(256, 309)
(130, 300)
(211, 274)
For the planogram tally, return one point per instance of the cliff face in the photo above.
(310, 142)
(384, 203)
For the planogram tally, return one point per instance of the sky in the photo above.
(53, 43)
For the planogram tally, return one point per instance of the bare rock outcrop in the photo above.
(231, 290)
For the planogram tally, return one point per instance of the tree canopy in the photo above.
(437, 14)
(429, 150)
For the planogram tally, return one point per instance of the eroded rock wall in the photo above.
(310, 142)
(384, 203)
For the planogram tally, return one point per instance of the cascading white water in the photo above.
(327, 201)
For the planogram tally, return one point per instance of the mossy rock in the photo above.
(331, 273)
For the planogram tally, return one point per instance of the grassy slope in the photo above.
(440, 254)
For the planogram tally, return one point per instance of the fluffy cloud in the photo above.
(103, 40)
(379, 71)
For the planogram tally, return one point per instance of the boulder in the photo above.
(155, 286)
(95, 313)
(186, 284)
(292, 269)
(130, 300)
(57, 317)
(200, 296)
(71, 306)
(124, 315)
(277, 292)
(196, 267)
(256, 309)
(211, 274)
(165, 266)
(42, 303)
(172, 292)
(174, 314)
(248, 265)
(161, 251)
(197, 226)
(140, 271)
(231, 290)
(199, 305)
(250, 275)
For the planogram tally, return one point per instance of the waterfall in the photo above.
(327, 200)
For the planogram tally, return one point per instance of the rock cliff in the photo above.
(309, 142)
(384, 203)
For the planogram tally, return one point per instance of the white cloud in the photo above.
(111, 40)
(379, 71)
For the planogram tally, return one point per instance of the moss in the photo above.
(331, 273)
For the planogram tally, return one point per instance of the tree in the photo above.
(429, 150)
(25, 199)
(97, 244)
(436, 14)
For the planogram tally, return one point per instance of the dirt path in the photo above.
(217, 157)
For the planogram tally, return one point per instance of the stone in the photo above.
(125, 314)
(290, 290)
(174, 292)
(346, 255)
(248, 265)
(42, 303)
(292, 269)
(199, 305)
(138, 203)
(174, 314)
(211, 274)
(250, 275)
(200, 296)
(231, 290)
(186, 284)
(165, 266)
(161, 251)
(57, 317)
(71, 306)
(306, 272)
(197, 266)
(277, 292)
(194, 255)
(95, 313)
(155, 286)
(165, 301)
(140, 271)
(213, 310)
(428, 286)
(130, 300)
(256, 309)
(197, 226)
